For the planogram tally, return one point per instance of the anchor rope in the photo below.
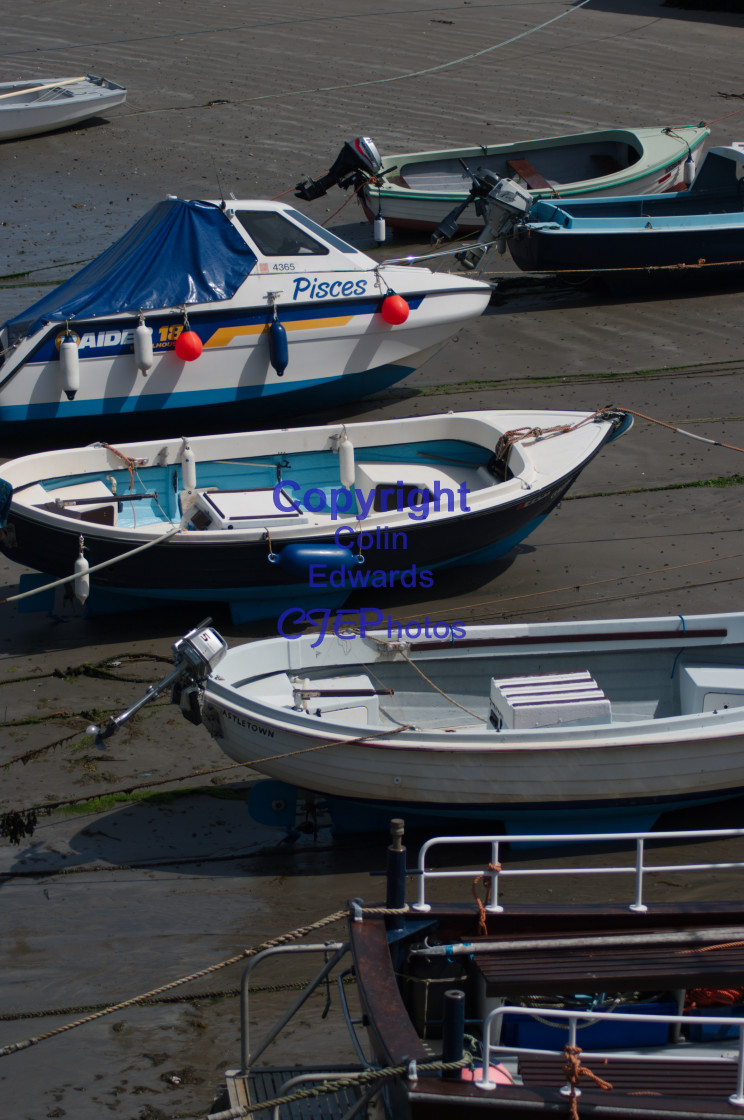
(245, 954)
(486, 880)
(95, 568)
(196, 997)
(16, 824)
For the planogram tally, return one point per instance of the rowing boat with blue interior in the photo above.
(269, 520)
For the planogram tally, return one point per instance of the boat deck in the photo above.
(269, 1083)
(708, 964)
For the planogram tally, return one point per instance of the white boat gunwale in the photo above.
(297, 654)
(480, 428)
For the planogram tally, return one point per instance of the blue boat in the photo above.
(641, 241)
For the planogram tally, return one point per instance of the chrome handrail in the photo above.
(495, 872)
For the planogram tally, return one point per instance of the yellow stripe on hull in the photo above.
(223, 336)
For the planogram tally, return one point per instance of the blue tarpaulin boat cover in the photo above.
(177, 253)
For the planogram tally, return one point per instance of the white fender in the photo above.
(143, 347)
(188, 467)
(688, 170)
(69, 366)
(81, 584)
(347, 466)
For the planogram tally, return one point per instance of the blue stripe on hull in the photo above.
(262, 400)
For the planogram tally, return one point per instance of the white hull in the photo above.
(454, 759)
(329, 302)
(421, 188)
(29, 108)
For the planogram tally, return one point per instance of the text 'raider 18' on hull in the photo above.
(201, 308)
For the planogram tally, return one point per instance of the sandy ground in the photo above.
(108, 903)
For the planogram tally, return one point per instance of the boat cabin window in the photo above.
(276, 237)
(325, 234)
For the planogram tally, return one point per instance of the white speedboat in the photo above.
(44, 104)
(202, 308)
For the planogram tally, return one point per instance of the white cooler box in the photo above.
(548, 700)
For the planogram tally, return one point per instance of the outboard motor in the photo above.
(500, 202)
(357, 161)
(195, 655)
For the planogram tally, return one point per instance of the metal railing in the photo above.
(495, 872)
(573, 1017)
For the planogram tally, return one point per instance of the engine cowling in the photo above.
(357, 161)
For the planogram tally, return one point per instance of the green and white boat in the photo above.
(416, 190)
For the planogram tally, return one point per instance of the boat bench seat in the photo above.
(534, 180)
(103, 514)
(710, 688)
(638, 967)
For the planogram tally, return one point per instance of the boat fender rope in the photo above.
(272, 556)
(486, 880)
(573, 1071)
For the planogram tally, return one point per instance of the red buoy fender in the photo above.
(394, 309)
(188, 346)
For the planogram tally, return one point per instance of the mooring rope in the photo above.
(246, 954)
(348, 1081)
(573, 1071)
(95, 568)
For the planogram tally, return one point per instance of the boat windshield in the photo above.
(325, 234)
(277, 237)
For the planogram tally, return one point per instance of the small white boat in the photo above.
(202, 308)
(261, 520)
(534, 727)
(416, 190)
(45, 104)
(656, 720)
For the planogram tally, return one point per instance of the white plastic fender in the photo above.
(688, 170)
(188, 467)
(347, 466)
(69, 366)
(81, 583)
(379, 228)
(143, 347)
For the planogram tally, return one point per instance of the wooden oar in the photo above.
(48, 85)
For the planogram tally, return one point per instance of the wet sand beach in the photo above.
(114, 900)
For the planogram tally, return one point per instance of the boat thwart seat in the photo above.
(524, 169)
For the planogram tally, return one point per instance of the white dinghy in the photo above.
(45, 104)
(561, 726)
